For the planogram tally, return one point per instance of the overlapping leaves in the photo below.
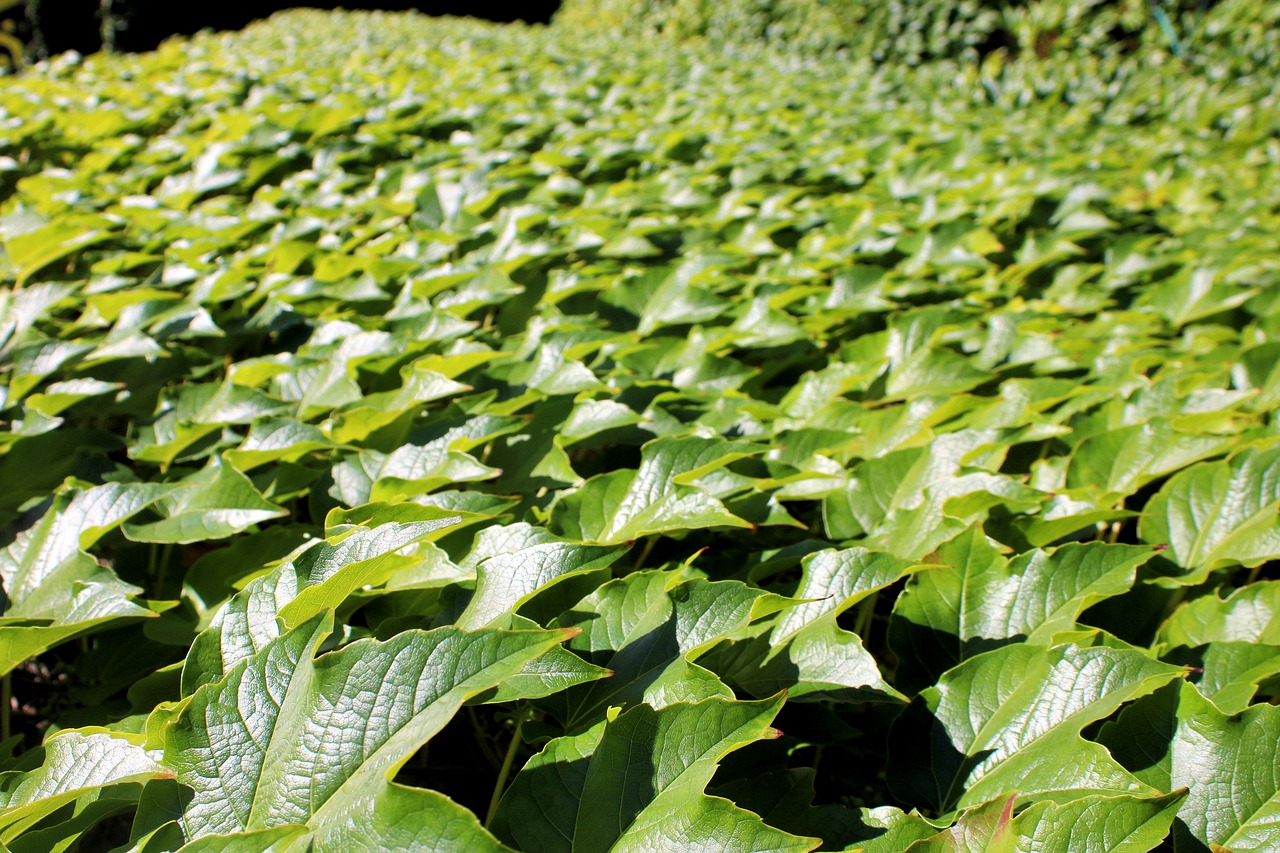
(440, 436)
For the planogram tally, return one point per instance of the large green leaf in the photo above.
(979, 599)
(658, 497)
(76, 763)
(1249, 614)
(285, 738)
(34, 250)
(1094, 824)
(1230, 673)
(636, 783)
(1229, 764)
(317, 579)
(649, 628)
(1121, 461)
(55, 589)
(1010, 719)
(1218, 514)
(215, 503)
(804, 651)
(513, 563)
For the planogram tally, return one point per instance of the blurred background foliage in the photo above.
(915, 31)
(46, 27)
(1243, 33)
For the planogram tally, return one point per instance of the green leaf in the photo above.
(196, 412)
(318, 578)
(76, 762)
(636, 783)
(60, 396)
(590, 417)
(1192, 295)
(1178, 739)
(1231, 671)
(1217, 514)
(55, 590)
(657, 497)
(372, 476)
(1249, 614)
(285, 738)
(35, 250)
(978, 599)
(70, 825)
(985, 829)
(805, 652)
(1122, 461)
(277, 441)
(642, 626)
(1094, 824)
(515, 562)
(555, 672)
(932, 370)
(419, 385)
(215, 503)
(1010, 719)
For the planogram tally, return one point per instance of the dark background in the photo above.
(75, 25)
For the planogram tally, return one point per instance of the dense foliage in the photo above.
(913, 31)
(428, 435)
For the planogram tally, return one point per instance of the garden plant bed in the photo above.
(425, 434)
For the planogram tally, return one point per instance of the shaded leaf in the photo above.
(636, 783)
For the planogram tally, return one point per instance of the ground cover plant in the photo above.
(427, 435)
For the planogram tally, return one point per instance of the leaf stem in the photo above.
(508, 760)
(1114, 536)
(866, 612)
(644, 553)
(162, 571)
(1179, 595)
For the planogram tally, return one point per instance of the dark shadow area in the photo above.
(456, 763)
(756, 668)
(1136, 615)
(144, 24)
(925, 768)
(784, 799)
(830, 759)
(38, 464)
(925, 653)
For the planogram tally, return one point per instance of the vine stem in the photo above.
(161, 572)
(644, 553)
(508, 760)
(866, 612)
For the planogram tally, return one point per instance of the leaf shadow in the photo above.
(925, 653)
(926, 770)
